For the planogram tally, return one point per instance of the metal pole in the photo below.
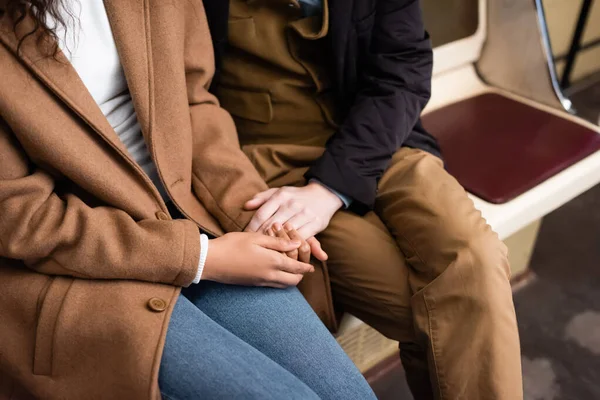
(584, 14)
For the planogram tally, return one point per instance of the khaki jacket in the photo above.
(90, 260)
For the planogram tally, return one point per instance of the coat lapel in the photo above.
(58, 75)
(128, 22)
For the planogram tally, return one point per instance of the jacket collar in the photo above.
(128, 19)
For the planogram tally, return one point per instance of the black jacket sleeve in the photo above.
(394, 85)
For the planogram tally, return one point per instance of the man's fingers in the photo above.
(282, 215)
(297, 221)
(281, 233)
(259, 199)
(254, 203)
(309, 230)
(265, 212)
(316, 249)
(304, 249)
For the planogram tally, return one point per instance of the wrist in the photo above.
(209, 264)
(320, 188)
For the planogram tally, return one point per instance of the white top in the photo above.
(90, 47)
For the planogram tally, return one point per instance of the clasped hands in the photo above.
(297, 213)
(279, 240)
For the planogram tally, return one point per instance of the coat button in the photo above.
(157, 305)
(162, 216)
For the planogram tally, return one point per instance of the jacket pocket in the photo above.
(241, 32)
(50, 304)
(252, 105)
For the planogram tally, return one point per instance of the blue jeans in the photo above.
(235, 342)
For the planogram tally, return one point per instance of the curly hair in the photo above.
(41, 11)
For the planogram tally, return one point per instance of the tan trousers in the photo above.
(425, 269)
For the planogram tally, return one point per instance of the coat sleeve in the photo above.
(394, 85)
(223, 177)
(61, 235)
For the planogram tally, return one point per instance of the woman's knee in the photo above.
(240, 307)
(204, 359)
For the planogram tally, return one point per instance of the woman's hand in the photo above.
(303, 252)
(254, 259)
(306, 209)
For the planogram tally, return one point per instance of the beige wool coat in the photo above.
(90, 260)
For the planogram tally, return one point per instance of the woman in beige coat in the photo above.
(116, 166)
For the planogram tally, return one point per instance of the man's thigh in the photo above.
(368, 273)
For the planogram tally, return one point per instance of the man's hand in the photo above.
(306, 209)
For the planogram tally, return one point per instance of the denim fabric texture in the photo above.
(235, 342)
